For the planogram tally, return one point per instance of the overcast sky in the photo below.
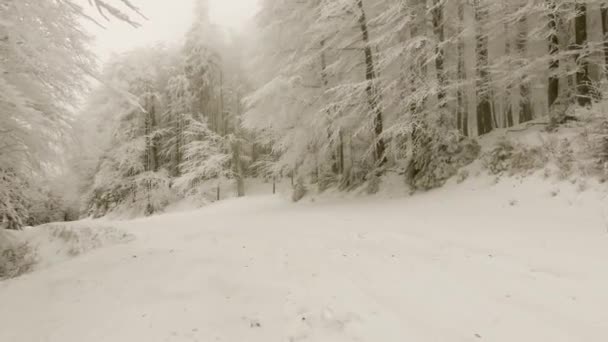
(168, 22)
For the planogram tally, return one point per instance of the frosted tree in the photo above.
(204, 67)
(283, 108)
(44, 57)
(131, 175)
(180, 101)
(205, 159)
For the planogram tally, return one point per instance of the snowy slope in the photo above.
(513, 261)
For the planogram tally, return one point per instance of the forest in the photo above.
(303, 170)
(327, 94)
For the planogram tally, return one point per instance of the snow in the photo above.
(478, 261)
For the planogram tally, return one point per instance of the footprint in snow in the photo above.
(325, 324)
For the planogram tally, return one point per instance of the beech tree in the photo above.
(426, 74)
(44, 57)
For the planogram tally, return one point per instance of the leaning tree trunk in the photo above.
(583, 82)
(484, 105)
(371, 89)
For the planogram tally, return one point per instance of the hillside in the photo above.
(480, 260)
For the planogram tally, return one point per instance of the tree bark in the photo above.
(553, 89)
(438, 30)
(153, 139)
(604, 11)
(338, 151)
(508, 114)
(371, 90)
(238, 168)
(525, 104)
(484, 106)
(461, 115)
(583, 82)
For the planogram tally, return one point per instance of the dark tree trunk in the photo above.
(553, 90)
(336, 168)
(583, 82)
(238, 168)
(221, 127)
(525, 104)
(604, 12)
(238, 163)
(438, 30)
(461, 115)
(153, 139)
(508, 112)
(341, 153)
(372, 92)
(484, 105)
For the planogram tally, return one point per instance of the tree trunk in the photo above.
(484, 106)
(372, 92)
(221, 126)
(238, 168)
(151, 153)
(438, 30)
(553, 90)
(525, 104)
(153, 139)
(461, 115)
(335, 167)
(508, 114)
(340, 153)
(583, 82)
(238, 163)
(604, 11)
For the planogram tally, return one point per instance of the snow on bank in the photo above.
(477, 261)
(50, 244)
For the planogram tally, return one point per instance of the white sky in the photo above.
(168, 22)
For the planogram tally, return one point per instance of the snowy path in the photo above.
(429, 268)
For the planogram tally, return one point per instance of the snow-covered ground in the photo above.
(514, 261)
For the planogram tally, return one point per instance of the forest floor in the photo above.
(520, 260)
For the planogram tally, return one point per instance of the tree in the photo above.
(204, 159)
(371, 88)
(583, 82)
(525, 105)
(180, 101)
(44, 57)
(484, 104)
(131, 176)
(553, 88)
